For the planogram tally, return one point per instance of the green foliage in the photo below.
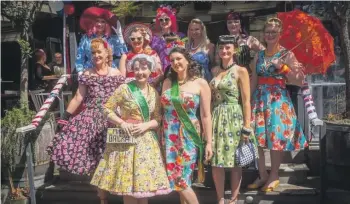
(26, 50)
(10, 140)
(125, 8)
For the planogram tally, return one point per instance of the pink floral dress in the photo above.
(78, 147)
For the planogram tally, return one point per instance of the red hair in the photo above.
(169, 12)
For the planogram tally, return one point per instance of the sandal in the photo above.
(258, 183)
(233, 201)
(221, 200)
(271, 187)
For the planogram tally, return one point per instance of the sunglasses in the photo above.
(271, 33)
(162, 20)
(135, 39)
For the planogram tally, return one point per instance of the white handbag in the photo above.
(118, 136)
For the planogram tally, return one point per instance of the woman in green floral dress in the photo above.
(230, 117)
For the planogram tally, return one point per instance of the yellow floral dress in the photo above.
(133, 170)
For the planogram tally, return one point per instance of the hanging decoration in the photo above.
(68, 9)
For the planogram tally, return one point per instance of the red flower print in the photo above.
(173, 137)
(174, 113)
(287, 121)
(190, 104)
(193, 165)
(287, 133)
(170, 166)
(164, 100)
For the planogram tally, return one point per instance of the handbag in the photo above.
(118, 136)
(246, 154)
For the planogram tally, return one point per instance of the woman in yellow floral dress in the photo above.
(135, 171)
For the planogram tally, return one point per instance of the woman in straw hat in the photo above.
(99, 23)
(138, 36)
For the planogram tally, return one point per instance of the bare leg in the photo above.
(263, 175)
(142, 201)
(102, 195)
(219, 180)
(182, 200)
(129, 200)
(189, 196)
(276, 158)
(236, 178)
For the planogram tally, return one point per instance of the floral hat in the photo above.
(143, 59)
(145, 30)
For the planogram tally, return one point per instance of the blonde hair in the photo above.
(204, 39)
(95, 43)
(273, 22)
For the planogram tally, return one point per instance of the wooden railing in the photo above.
(56, 92)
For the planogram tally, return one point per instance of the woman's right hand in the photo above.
(127, 127)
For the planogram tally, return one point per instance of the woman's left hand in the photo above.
(140, 128)
(277, 62)
(208, 152)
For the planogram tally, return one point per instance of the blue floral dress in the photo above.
(202, 58)
(84, 61)
(273, 115)
(181, 152)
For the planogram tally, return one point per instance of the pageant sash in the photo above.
(141, 103)
(188, 125)
(140, 100)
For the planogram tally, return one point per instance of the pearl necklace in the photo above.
(195, 48)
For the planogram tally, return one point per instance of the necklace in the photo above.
(183, 82)
(228, 67)
(195, 48)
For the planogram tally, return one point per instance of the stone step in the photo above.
(80, 193)
(289, 174)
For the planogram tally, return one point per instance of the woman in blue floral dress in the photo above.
(200, 47)
(182, 93)
(273, 115)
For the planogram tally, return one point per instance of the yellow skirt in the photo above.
(133, 170)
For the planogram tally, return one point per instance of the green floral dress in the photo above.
(227, 119)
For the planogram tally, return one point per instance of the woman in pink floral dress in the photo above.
(78, 147)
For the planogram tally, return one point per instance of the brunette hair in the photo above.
(193, 67)
(39, 54)
(237, 16)
(95, 43)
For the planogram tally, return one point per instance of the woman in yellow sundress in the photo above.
(135, 171)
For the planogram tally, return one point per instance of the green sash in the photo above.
(141, 103)
(140, 100)
(188, 125)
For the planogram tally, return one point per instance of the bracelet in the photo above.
(246, 131)
(66, 115)
(284, 70)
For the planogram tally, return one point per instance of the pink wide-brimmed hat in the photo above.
(88, 18)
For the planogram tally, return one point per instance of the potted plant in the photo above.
(12, 150)
(18, 195)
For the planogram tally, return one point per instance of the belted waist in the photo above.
(271, 81)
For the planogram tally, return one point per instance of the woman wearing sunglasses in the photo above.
(167, 27)
(137, 35)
